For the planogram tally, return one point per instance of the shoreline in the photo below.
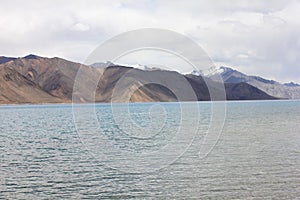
(107, 103)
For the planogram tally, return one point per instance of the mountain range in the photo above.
(285, 91)
(35, 79)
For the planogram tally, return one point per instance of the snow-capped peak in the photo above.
(141, 67)
(197, 72)
(217, 71)
(213, 71)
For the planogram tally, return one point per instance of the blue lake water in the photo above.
(151, 150)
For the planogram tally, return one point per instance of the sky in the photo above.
(256, 37)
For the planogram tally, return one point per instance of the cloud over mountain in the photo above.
(258, 37)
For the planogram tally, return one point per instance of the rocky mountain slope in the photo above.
(271, 87)
(54, 76)
(234, 91)
(34, 79)
(15, 88)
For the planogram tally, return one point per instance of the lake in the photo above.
(230, 150)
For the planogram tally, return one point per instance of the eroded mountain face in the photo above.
(271, 87)
(35, 79)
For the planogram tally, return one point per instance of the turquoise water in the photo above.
(49, 151)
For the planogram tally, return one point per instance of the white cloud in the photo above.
(255, 36)
(80, 27)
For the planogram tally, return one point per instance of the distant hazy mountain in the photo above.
(135, 66)
(102, 64)
(271, 87)
(291, 84)
(34, 79)
(4, 59)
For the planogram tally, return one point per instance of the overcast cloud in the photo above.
(256, 36)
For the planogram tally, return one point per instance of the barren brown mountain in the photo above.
(35, 79)
(15, 88)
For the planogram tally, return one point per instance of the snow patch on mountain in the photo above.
(291, 84)
(211, 71)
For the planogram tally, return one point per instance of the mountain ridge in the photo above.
(54, 79)
(271, 87)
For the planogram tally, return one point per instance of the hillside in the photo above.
(34, 79)
(16, 88)
(271, 87)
